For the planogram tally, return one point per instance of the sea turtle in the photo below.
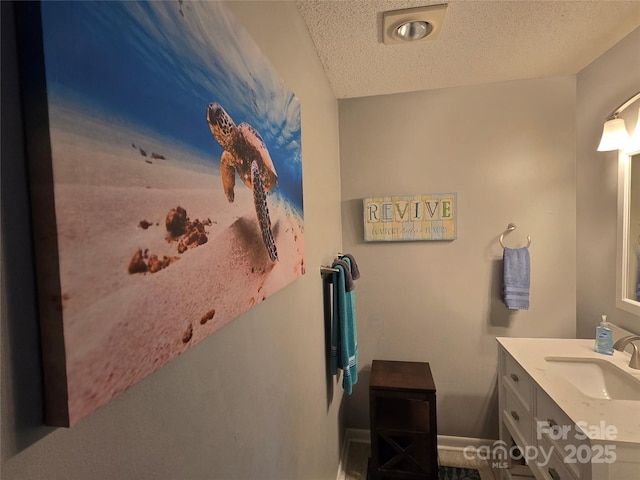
(245, 153)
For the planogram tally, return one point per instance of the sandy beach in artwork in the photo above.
(114, 188)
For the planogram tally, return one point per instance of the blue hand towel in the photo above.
(344, 344)
(516, 278)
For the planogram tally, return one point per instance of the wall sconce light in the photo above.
(614, 133)
(635, 138)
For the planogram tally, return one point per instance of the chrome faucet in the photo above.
(622, 343)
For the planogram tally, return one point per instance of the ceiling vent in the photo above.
(413, 25)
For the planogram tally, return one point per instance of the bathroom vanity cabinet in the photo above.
(550, 428)
(402, 397)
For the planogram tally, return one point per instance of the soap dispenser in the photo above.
(604, 337)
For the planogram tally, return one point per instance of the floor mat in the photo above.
(456, 473)
(448, 473)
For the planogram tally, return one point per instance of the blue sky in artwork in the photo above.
(159, 65)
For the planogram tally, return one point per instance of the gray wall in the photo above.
(250, 402)
(508, 150)
(601, 87)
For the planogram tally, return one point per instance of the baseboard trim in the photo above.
(461, 443)
(445, 442)
(357, 435)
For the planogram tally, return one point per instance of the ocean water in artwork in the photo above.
(158, 65)
(153, 255)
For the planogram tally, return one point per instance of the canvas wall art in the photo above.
(174, 151)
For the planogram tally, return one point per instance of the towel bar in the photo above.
(324, 269)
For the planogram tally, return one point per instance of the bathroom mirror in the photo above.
(628, 251)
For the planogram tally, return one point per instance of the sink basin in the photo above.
(596, 378)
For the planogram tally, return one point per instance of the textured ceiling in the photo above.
(480, 42)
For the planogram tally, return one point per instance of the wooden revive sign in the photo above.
(429, 216)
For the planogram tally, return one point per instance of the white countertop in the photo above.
(530, 353)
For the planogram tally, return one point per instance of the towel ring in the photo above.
(510, 228)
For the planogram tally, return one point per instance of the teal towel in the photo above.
(349, 284)
(344, 344)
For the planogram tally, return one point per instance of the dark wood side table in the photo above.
(404, 436)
